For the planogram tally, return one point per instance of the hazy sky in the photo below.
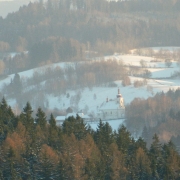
(8, 6)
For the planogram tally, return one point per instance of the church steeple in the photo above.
(120, 99)
(119, 95)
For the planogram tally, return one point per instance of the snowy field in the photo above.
(157, 49)
(115, 124)
(160, 80)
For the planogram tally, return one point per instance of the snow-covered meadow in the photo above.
(92, 98)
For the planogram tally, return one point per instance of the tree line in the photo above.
(52, 32)
(35, 148)
(158, 114)
(57, 81)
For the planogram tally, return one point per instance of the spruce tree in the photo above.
(53, 133)
(48, 169)
(140, 143)
(17, 84)
(9, 165)
(171, 163)
(30, 162)
(75, 126)
(41, 119)
(123, 139)
(7, 120)
(26, 117)
(1, 175)
(104, 137)
(156, 157)
(61, 171)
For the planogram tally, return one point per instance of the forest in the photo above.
(75, 32)
(63, 31)
(35, 148)
(160, 114)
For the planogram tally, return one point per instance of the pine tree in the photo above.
(92, 159)
(48, 170)
(9, 165)
(12, 164)
(31, 145)
(52, 122)
(123, 139)
(142, 165)
(53, 132)
(41, 119)
(1, 175)
(75, 126)
(30, 162)
(140, 143)
(156, 157)
(17, 84)
(92, 169)
(7, 120)
(103, 136)
(3, 134)
(117, 166)
(26, 117)
(61, 170)
(171, 163)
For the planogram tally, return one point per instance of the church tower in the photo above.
(120, 99)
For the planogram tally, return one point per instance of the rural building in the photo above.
(112, 109)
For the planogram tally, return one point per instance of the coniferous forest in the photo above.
(32, 147)
(35, 148)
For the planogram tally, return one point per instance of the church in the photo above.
(112, 109)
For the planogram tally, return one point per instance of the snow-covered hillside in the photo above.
(92, 98)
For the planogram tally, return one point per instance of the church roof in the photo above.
(110, 105)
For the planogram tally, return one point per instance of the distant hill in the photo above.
(9, 6)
